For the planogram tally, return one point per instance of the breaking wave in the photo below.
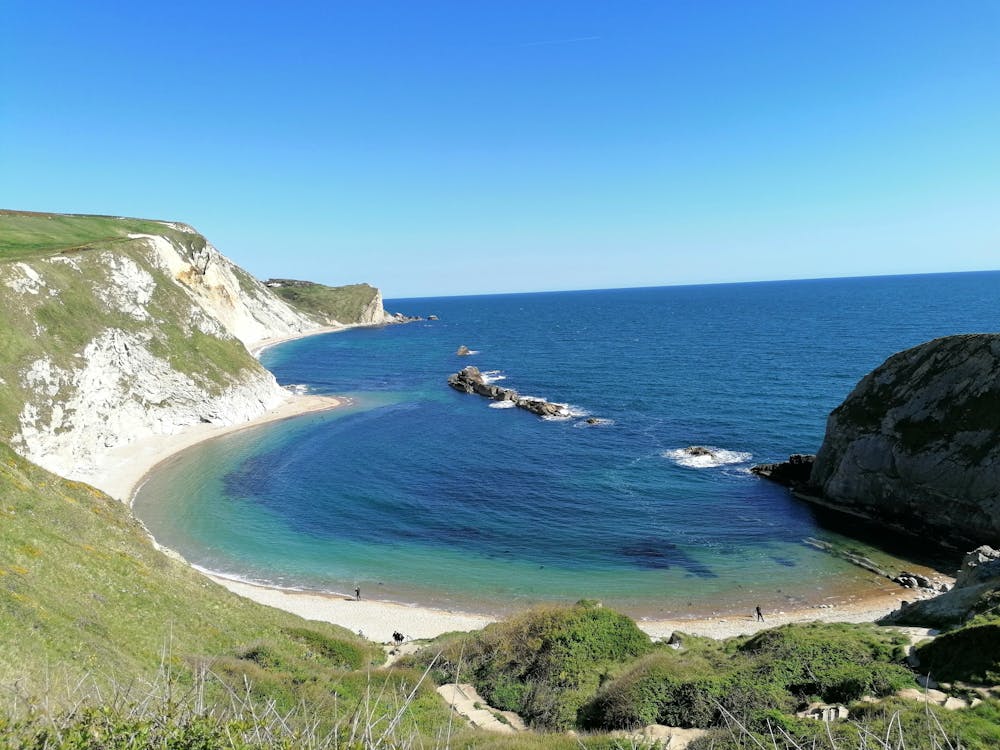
(709, 459)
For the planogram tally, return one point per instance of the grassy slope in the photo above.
(25, 235)
(81, 585)
(328, 304)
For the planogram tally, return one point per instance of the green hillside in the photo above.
(82, 586)
(27, 234)
(327, 304)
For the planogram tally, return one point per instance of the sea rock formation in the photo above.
(916, 445)
(794, 473)
(471, 380)
(699, 450)
(463, 351)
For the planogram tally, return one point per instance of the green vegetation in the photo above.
(81, 586)
(150, 653)
(892, 724)
(85, 600)
(544, 663)
(25, 234)
(970, 654)
(776, 670)
(326, 304)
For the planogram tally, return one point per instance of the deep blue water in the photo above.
(420, 493)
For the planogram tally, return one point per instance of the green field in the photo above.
(25, 234)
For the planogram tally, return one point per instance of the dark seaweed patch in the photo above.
(654, 554)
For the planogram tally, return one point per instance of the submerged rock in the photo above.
(698, 450)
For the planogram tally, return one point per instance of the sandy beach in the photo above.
(378, 619)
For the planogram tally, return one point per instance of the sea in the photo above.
(416, 493)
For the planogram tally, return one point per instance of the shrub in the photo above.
(971, 653)
(835, 662)
(543, 663)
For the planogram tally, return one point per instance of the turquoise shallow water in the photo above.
(421, 494)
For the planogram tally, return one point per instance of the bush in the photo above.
(751, 678)
(544, 663)
(971, 653)
(835, 662)
(680, 690)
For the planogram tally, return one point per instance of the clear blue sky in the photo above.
(466, 147)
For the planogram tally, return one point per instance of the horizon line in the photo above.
(699, 283)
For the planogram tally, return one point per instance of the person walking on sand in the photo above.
(760, 615)
(357, 595)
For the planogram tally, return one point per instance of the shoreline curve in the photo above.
(377, 619)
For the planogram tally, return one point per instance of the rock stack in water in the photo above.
(471, 380)
(915, 446)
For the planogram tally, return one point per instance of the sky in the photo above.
(440, 148)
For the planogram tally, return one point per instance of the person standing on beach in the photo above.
(357, 595)
(760, 615)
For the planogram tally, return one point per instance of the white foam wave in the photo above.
(712, 458)
(299, 389)
(502, 405)
(492, 376)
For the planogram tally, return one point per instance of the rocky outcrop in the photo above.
(471, 380)
(463, 351)
(976, 590)
(916, 445)
(137, 335)
(794, 473)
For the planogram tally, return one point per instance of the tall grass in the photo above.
(97, 711)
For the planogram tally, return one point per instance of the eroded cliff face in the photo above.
(916, 445)
(122, 338)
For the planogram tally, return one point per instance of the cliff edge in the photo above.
(916, 444)
(114, 329)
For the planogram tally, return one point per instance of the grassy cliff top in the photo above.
(27, 234)
(328, 304)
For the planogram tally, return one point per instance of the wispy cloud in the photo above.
(571, 40)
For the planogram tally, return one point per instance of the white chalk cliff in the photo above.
(139, 335)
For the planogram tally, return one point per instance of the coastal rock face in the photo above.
(916, 445)
(110, 341)
(976, 590)
(350, 305)
(795, 472)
